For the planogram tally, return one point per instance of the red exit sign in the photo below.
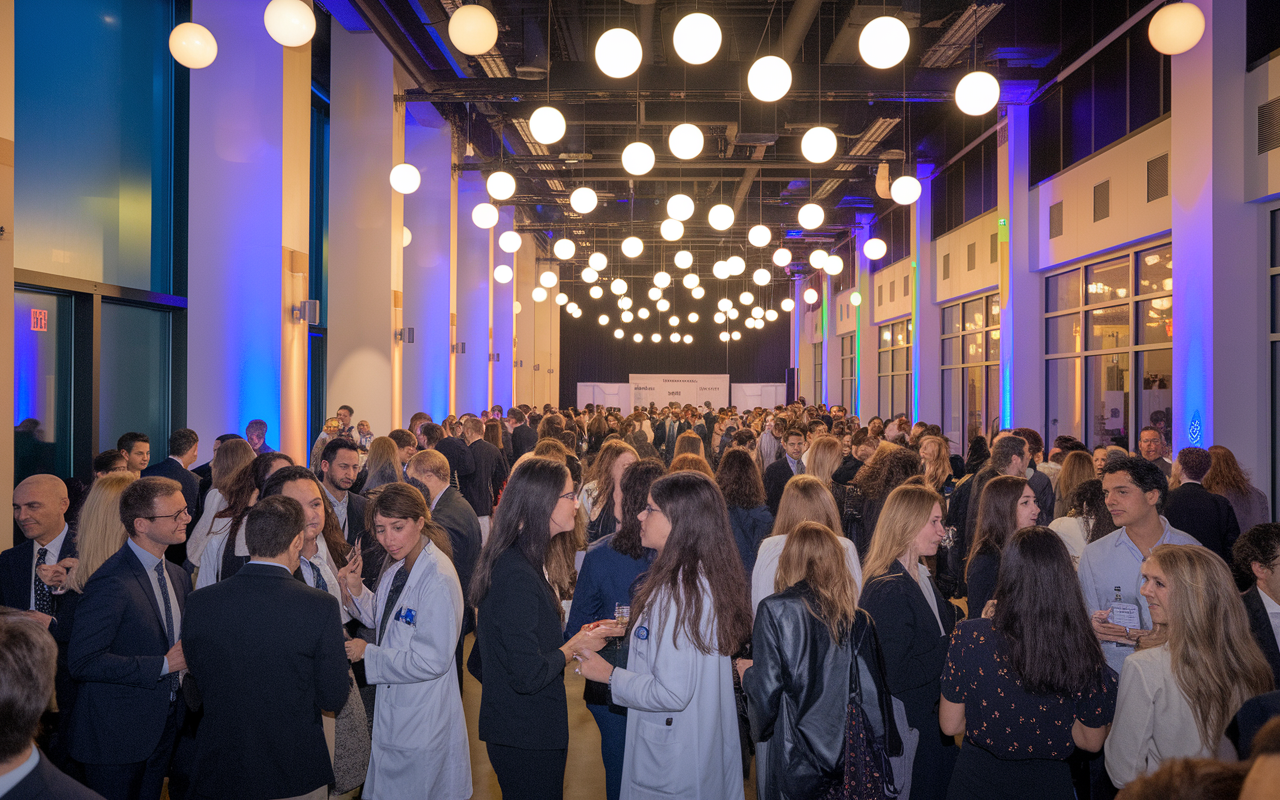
(39, 319)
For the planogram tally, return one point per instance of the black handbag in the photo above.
(599, 694)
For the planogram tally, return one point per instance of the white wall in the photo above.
(960, 279)
(892, 291)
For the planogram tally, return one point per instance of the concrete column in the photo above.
(502, 295)
(1219, 290)
(1021, 287)
(525, 351)
(296, 245)
(926, 349)
(868, 374)
(473, 267)
(6, 251)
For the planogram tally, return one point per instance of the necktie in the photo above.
(799, 467)
(43, 598)
(168, 624)
(393, 596)
(315, 572)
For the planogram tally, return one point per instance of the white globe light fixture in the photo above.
(857, 298)
(769, 79)
(589, 275)
(719, 317)
(757, 312)
(977, 93)
(787, 304)
(698, 293)
(759, 236)
(691, 281)
(675, 338)
(817, 257)
(618, 53)
(724, 336)
(637, 158)
(883, 42)
(685, 141)
(720, 217)
(875, 249)
(509, 242)
(473, 30)
(781, 257)
(1176, 28)
(571, 307)
(639, 337)
(564, 249)
(721, 270)
(292, 23)
(617, 333)
(732, 313)
(771, 314)
(406, 237)
(674, 321)
(663, 305)
(736, 265)
(547, 125)
(655, 294)
(485, 215)
(597, 261)
(818, 145)
(761, 277)
(697, 38)
(680, 206)
(724, 304)
(811, 216)
(538, 294)
(687, 339)
(501, 185)
(618, 286)
(905, 190)
(561, 298)
(632, 246)
(405, 178)
(746, 298)
(627, 316)
(834, 265)
(583, 200)
(624, 303)
(548, 279)
(603, 319)
(671, 229)
(736, 335)
(811, 295)
(662, 279)
(693, 317)
(577, 312)
(192, 45)
(643, 313)
(684, 259)
(502, 273)
(516, 307)
(596, 292)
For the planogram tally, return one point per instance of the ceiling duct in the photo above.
(956, 41)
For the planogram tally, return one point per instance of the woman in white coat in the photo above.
(682, 723)
(419, 732)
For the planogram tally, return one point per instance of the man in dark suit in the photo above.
(266, 654)
(523, 437)
(1255, 557)
(339, 465)
(184, 446)
(126, 650)
(481, 487)
(1195, 510)
(779, 472)
(461, 462)
(26, 687)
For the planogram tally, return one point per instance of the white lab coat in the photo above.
(419, 732)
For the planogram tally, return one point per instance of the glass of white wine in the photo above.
(622, 614)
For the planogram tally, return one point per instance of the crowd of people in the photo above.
(859, 611)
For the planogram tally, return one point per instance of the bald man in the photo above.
(39, 508)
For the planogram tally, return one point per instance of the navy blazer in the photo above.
(45, 782)
(459, 520)
(523, 439)
(1263, 633)
(117, 650)
(17, 576)
(776, 476)
(1208, 517)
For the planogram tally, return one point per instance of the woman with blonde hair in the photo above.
(1191, 673)
(231, 457)
(914, 623)
(1225, 477)
(935, 458)
(690, 462)
(383, 466)
(100, 532)
(1077, 468)
(690, 442)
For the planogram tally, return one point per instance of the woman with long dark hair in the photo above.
(383, 466)
(689, 616)
(231, 457)
(1087, 519)
(1026, 684)
(225, 552)
(888, 469)
(1007, 504)
(1077, 468)
(743, 489)
(524, 719)
(610, 570)
(1225, 477)
(598, 484)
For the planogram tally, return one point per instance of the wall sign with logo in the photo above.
(39, 319)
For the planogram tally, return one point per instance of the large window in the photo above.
(1102, 321)
(848, 370)
(894, 369)
(818, 385)
(1275, 361)
(970, 368)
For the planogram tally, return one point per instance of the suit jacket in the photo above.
(17, 576)
(46, 782)
(523, 439)
(482, 485)
(459, 520)
(359, 535)
(263, 678)
(117, 651)
(1263, 634)
(1206, 516)
(776, 476)
(461, 461)
(170, 468)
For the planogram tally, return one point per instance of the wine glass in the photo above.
(622, 613)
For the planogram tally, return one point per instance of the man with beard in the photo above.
(339, 465)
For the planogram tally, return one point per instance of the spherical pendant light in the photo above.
(761, 277)
(811, 216)
(720, 217)
(736, 335)
(617, 333)
(781, 257)
(787, 304)
(811, 295)
(509, 242)
(548, 279)
(769, 79)
(603, 319)
(657, 337)
(719, 317)
(671, 229)
(684, 259)
(547, 125)
(561, 298)
(663, 305)
(538, 294)
(817, 257)
(818, 145)
(624, 303)
(674, 321)
(516, 307)
(564, 249)
(473, 30)
(687, 339)
(643, 313)
(691, 280)
(771, 314)
(759, 236)
(724, 336)
(618, 286)
(655, 294)
(662, 279)
(875, 249)
(693, 317)
(736, 265)
(632, 246)
(757, 312)
(721, 270)
(698, 293)
(192, 45)
(627, 317)
(596, 292)
(883, 42)
(618, 53)
(406, 236)
(637, 158)
(857, 298)
(639, 337)
(746, 298)
(502, 273)
(501, 185)
(583, 200)
(485, 215)
(905, 190)
(977, 93)
(680, 206)
(697, 38)
(598, 261)
(589, 275)
(685, 141)
(1176, 28)
(292, 23)
(732, 313)
(675, 338)
(834, 265)
(405, 178)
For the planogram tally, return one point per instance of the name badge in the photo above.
(1125, 615)
(408, 616)
(642, 633)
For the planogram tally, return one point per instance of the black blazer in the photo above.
(171, 469)
(481, 487)
(266, 653)
(518, 631)
(117, 650)
(359, 535)
(776, 476)
(1263, 634)
(461, 461)
(17, 576)
(1208, 517)
(455, 515)
(45, 782)
(523, 439)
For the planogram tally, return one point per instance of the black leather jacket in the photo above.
(799, 688)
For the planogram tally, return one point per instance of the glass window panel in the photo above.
(1275, 429)
(1155, 403)
(883, 408)
(901, 359)
(974, 315)
(1063, 291)
(1155, 270)
(1155, 321)
(993, 344)
(993, 393)
(951, 319)
(1107, 282)
(886, 336)
(952, 408)
(885, 361)
(902, 395)
(1107, 399)
(1108, 327)
(973, 395)
(1275, 303)
(1062, 334)
(42, 360)
(911, 327)
(899, 333)
(134, 387)
(993, 309)
(951, 350)
(1063, 398)
(974, 349)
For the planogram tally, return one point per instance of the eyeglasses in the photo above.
(174, 517)
(648, 509)
(569, 496)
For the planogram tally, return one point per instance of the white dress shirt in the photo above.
(339, 506)
(322, 562)
(14, 776)
(51, 557)
(149, 564)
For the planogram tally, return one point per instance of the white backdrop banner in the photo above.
(610, 395)
(765, 395)
(682, 389)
